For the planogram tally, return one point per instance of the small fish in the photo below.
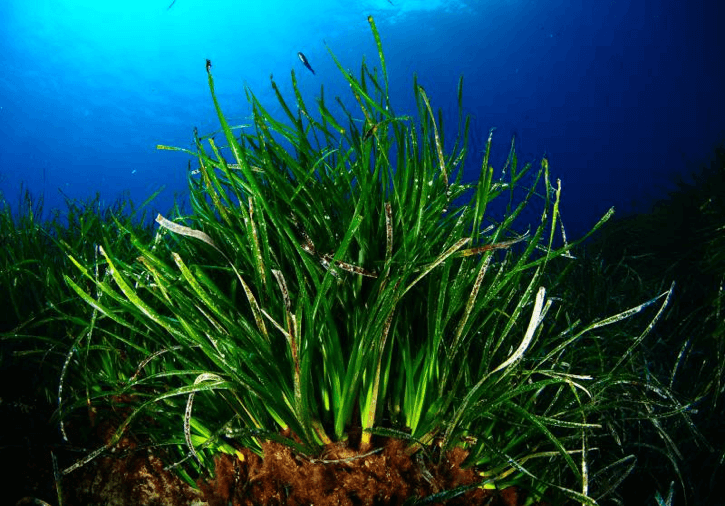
(172, 4)
(208, 64)
(304, 61)
(371, 131)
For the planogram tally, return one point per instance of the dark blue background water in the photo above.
(620, 95)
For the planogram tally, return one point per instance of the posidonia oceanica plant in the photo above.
(336, 279)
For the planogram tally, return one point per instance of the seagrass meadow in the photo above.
(340, 318)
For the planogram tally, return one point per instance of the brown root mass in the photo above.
(342, 477)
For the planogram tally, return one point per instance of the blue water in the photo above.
(620, 95)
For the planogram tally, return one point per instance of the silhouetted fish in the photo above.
(304, 61)
(172, 4)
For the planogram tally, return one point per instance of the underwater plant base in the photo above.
(133, 471)
(386, 476)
